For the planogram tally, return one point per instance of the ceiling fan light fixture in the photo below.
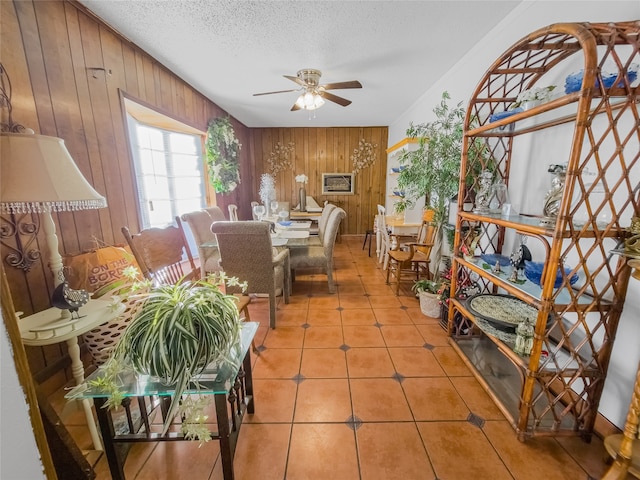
(310, 100)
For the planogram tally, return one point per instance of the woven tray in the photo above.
(503, 312)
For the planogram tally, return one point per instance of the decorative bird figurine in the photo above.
(66, 298)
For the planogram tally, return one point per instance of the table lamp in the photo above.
(39, 176)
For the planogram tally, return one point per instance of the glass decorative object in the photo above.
(554, 195)
(524, 338)
(483, 196)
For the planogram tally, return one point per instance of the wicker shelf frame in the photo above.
(558, 387)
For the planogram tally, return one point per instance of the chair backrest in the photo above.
(215, 213)
(324, 217)
(233, 213)
(159, 253)
(382, 210)
(200, 224)
(246, 253)
(331, 230)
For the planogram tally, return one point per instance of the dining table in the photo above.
(285, 234)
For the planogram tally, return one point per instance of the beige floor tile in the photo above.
(284, 337)
(317, 317)
(434, 398)
(323, 337)
(274, 401)
(180, 461)
(451, 362)
(322, 451)
(415, 362)
(362, 336)
(476, 398)
(262, 451)
(384, 301)
(402, 336)
(434, 334)
(369, 363)
(392, 316)
(323, 363)
(534, 459)
(358, 317)
(391, 451)
(323, 400)
(324, 301)
(379, 400)
(354, 301)
(278, 363)
(459, 450)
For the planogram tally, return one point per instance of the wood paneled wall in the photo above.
(69, 72)
(49, 50)
(325, 150)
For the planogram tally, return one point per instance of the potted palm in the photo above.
(175, 331)
(432, 171)
(428, 291)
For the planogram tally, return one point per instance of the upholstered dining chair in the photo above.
(316, 256)
(215, 213)
(253, 215)
(200, 225)
(322, 224)
(233, 212)
(246, 253)
(410, 258)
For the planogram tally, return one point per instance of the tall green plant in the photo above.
(432, 171)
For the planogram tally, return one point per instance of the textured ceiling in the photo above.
(230, 49)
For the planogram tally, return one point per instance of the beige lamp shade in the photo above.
(37, 174)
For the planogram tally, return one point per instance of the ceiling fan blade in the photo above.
(296, 79)
(279, 91)
(336, 99)
(340, 85)
(295, 107)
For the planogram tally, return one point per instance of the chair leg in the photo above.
(272, 308)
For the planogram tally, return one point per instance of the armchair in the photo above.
(246, 253)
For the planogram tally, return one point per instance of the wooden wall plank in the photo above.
(326, 150)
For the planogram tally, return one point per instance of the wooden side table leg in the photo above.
(223, 431)
(116, 466)
(77, 369)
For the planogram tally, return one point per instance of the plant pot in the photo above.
(429, 304)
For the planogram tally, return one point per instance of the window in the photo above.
(169, 172)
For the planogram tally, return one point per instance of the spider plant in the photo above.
(175, 332)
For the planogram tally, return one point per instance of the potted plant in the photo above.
(432, 171)
(175, 331)
(428, 291)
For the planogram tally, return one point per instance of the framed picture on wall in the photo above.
(338, 184)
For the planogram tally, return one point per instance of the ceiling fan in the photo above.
(313, 94)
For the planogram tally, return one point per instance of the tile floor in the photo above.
(360, 385)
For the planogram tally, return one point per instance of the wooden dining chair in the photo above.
(163, 254)
(233, 213)
(410, 259)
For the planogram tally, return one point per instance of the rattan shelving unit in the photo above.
(595, 132)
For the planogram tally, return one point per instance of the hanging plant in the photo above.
(223, 156)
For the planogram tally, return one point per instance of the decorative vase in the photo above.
(429, 304)
(303, 199)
